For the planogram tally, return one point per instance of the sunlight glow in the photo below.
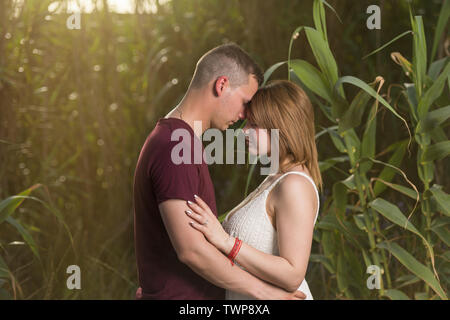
(118, 6)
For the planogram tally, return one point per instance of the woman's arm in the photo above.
(204, 259)
(295, 206)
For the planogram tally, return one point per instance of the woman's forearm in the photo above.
(207, 262)
(274, 269)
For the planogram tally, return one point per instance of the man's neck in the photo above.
(190, 110)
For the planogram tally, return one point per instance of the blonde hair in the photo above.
(283, 105)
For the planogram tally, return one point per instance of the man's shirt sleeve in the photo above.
(173, 181)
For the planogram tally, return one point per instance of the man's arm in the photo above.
(207, 261)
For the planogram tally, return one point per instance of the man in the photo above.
(175, 261)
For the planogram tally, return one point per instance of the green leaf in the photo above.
(328, 243)
(339, 105)
(438, 135)
(10, 204)
(332, 9)
(402, 189)
(324, 56)
(441, 197)
(411, 96)
(361, 84)
(368, 141)
(440, 222)
(328, 163)
(357, 275)
(366, 258)
(337, 141)
(319, 18)
(333, 223)
(393, 214)
(436, 151)
(407, 280)
(419, 53)
(436, 68)
(440, 27)
(359, 221)
(4, 270)
(312, 78)
(421, 296)
(442, 233)
(25, 235)
(340, 198)
(326, 110)
(433, 92)
(412, 281)
(323, 260)
(395, 160)
(395, 294)
(324, 130)
(349, 182)
(414, 266)
(352, 145)
(341, 274)
(269, 71)
(433, 119)
(388, 43)
(352, 117)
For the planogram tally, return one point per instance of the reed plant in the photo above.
(371, 222)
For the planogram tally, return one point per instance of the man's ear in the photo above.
(220, 85)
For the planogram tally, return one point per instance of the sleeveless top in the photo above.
(250, 222)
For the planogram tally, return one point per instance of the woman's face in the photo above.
(257, 139)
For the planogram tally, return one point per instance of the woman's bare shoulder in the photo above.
(294, 190)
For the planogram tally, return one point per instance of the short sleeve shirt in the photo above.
(159, 176)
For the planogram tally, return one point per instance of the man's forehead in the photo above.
(248, 89)
(252, 86)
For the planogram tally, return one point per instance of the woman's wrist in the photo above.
(228, 245)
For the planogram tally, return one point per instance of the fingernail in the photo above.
(189, 212)
(190, 202)
(195, 196)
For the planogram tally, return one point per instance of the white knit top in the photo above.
(250, 223)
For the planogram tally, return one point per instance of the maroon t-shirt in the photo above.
(157, 179)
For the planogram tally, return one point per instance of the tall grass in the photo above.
(77, 105)
(362, 224)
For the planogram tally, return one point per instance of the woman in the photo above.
(270, 233)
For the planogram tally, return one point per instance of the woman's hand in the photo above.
(208, 224)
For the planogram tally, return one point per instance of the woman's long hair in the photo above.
(283, 105)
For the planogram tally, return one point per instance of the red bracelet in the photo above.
(231, 254)
(235, 250)
(238, 248)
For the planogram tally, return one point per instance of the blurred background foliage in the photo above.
(77, 105)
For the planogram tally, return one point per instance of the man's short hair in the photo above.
(228, 60)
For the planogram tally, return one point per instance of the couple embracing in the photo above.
(261, 250)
